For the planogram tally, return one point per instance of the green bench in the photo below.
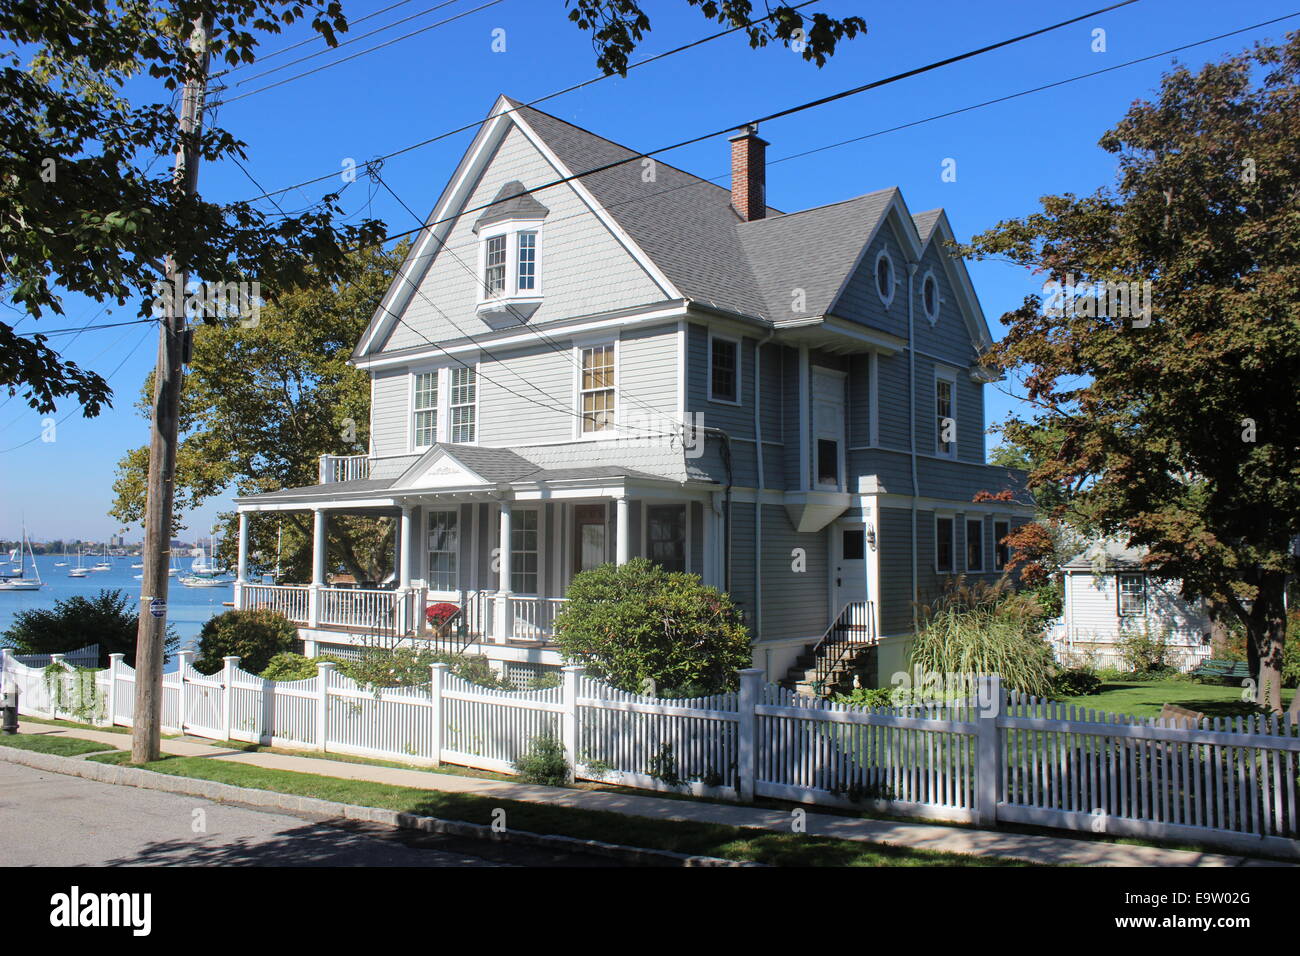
(1222, 671)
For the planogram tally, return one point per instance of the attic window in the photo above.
(930, 297)
(510, 239)
(885, 277)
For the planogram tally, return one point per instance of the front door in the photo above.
(589, 531)
(850, 548)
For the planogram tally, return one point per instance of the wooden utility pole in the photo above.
(146, 730)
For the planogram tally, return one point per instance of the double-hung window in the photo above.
(494, 266)
(444, 545)
(425, 409)
(724, 370)
(1001, 550)
(946, 424)
(943, 545)
(523, 552)
(596, 389)
(464, 392)
(526, 262)
(975, 545)
(1132, 594)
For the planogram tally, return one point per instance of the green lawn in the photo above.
(733, 843)
(1145, 698)
(46, 744)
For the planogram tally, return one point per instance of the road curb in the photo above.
(396, 819)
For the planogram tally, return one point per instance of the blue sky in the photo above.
(1007, 155)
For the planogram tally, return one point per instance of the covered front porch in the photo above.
(502, 554)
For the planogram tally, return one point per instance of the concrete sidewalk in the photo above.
(921, 836)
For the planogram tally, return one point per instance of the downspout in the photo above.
(758, 497)
(911, 405)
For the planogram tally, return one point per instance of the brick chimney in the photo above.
(749, 174)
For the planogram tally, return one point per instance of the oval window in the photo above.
(885, 277)
(930, 297)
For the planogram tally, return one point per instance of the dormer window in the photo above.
(510, 232)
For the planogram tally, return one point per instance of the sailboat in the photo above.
(78, 571)
(203, 573)
(104, 564)
(22, 582)
(64, 562)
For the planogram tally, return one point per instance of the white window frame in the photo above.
(938, 296)
(511, 294)
(579, 346)
(1119, 594)
(952, 542)
(997, 538)
(450, 376)
(893, 277)
(950, 377)
(428, 551)
(740, 352)
(966, 541)
(411, 431)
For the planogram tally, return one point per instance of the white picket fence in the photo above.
(988, 757)
(1098, 651)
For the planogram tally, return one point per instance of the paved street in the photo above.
(49, 819)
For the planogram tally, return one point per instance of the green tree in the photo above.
(261, 403)
(1178, 428)
(88, 207)
(109, 619)
(644, 629)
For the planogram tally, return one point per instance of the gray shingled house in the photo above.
(590, 355)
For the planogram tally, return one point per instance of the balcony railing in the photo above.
(344, 468)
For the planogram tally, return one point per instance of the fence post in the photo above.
(988, 764)
(437, 682)
(323, 672)
(751, 682)
(183, 659)
(114, 661)
(227, 697)
(56, 695)
(569, 718)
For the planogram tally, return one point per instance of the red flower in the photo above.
(439, 613)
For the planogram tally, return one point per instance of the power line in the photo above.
(929, 119)
(541, 99)
(84, 328)
(353, 56)
(293, 46)
(351, 39)
(779, 114)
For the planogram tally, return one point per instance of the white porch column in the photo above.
(241, 574)
(504, 618)
(405, 529)
(318, 542)
(622, 532)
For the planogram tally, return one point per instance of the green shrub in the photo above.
(1145, 652)
(1075, 682)
(290, 666)
(867, 697)
(544, 763)
(637, 623)
(1001, 638)
(253, 636)
(109, 619)
(409, 667)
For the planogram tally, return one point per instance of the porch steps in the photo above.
(846, 651)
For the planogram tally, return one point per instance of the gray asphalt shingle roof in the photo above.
(512, 202)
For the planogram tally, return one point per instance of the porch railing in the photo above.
(363, 608)
(534, 618)
(293, 601)
(344, 468)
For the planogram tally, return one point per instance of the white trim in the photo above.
(928, 276)
(739, 343)
(942, 374)
(893, 276)
(510, 296)
(579, 344)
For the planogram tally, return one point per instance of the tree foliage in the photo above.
(1178, 431)
(109, 619)
(617, 26)
(645, 629)
(255, 637)
(86, 203)
(259, 406)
